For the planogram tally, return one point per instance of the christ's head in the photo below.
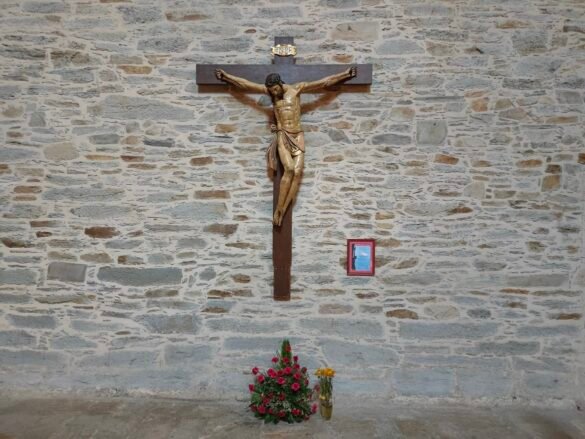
(274, 84)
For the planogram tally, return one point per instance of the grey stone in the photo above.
(163, 143)
(140, 14)
(186, 354)
(104, 139)
(434, 10)
(422, 278)
(423, 81)
(479, 313)
(547, 385)
(574, 26)
(508, 348)
(170, 324)
(441, 311)
(93, 326)
(128, 107)
(528, 42)
(66, 272)
(431, 132)
(436, 331)
(469, 83)
(8, 154)
(83, 194)
(18, 276)
(45, 7)
(356, 31)
(102, 211)
(121, 244)
(79, 76)
(121, 359)
(193, 243)
(27, 211)
(14, 299)
(522, 83)
(483, 265)
(280, 11)
(339, 3)
(29, 321)
(344, 327)
(164, 44)
(23, 53)
(538, 66)
(251, 343)
(399, 47)
(72, 342)
(17, 338)
(9, 91)
(203, 212)
(141, 276)
(547, 331)
(538, 280)
(61, 151)
(34, 359)
(360, 355)
(391, 139)
(435, 382)
(245, 326)
(484, 383)
(37, 120)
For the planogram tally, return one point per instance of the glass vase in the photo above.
(326, 406)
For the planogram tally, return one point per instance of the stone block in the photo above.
(509, 348)
(83, 194)
(433, 382)
(357, 355)
(527, 42)
(391, 139)
(437, 331)
(129, 107)
(350, 328)
(17, 276)
(179, 355)
(431, 132)
(138, 277)
(31, 321)
(103, 211)
(541, 385)
(162, 44)
(121, 359)
(140, 14)
(41, 7)
(66, 272)
(399, 47)
(72, 342)
(356, 31)
(538, 280)
(254, 343)
(206, 212)
(170, 324)
(484, 383)
(244, 326)
(33, 359)
(548, 331)
(10, 154)
(17, 338)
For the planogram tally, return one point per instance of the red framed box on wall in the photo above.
(361, 257)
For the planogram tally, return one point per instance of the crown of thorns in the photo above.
(273, 79)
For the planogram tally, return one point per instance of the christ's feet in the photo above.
(277, 219)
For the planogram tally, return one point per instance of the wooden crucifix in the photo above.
(286, 152)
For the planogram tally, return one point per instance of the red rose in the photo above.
(295, 387)
(255, 370)
(286, 360)
(297, 376)
(287, 370)
(296, 358)
(295, 412)
(281, 381)
(266, 401)
(260, 379)
(314, 408)
(281, 414)
(261, 409)
(288, 348)
(274, 359)
(271, 373)
(296, 366)
(280, 373)
(251, 387)
(282, 396)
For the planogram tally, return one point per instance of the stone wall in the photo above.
(135, 208)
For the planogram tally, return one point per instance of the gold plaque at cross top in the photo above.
(284, 50)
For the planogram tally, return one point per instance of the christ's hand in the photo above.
(352, 72)
(220, 74)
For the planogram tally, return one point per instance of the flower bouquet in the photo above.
(282, 393)
(325, 386)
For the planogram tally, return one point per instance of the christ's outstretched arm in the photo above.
(241, 83)
(328, 81)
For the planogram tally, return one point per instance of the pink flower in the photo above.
(274, 359)
(314, 408)
(281, 381)
(271, 373)
(280, 373)
(287, 370)
(296, 366)
(255, 370)
(297, 376)
(261, 409)
(251, 387)
(260, 379)
(295, 387)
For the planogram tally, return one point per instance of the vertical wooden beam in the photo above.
(282, 236)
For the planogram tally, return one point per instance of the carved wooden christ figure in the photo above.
(289, 139)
